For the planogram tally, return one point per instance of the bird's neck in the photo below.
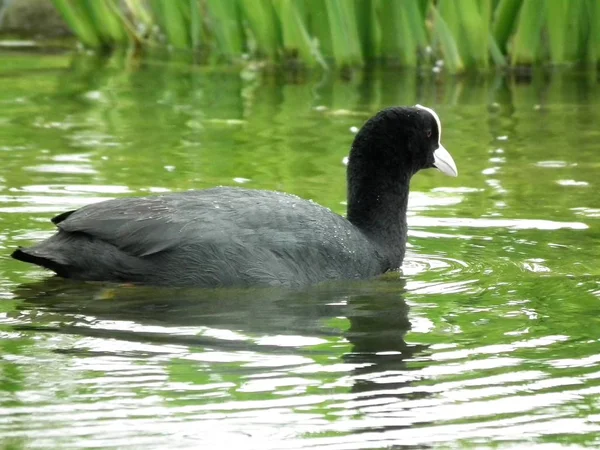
(378, 209)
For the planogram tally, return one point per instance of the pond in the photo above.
(489, 337)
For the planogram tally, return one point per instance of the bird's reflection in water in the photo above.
(374, 318)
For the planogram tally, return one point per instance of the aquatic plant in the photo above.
(461, 35)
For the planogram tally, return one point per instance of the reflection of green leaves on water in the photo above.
(496, 305)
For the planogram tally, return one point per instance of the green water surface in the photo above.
(489, 337)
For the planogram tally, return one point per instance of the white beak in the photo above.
(444, 162)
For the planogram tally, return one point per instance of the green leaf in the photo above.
(264, 25)
(226, 24)
(526, 43)
(106, 21)
(443, 35)
(296, 40)
(79, 21)
(504, 22)
(556, 14)
(344, 32)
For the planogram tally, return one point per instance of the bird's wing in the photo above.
(145, 226)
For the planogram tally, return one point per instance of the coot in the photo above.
(241, 237)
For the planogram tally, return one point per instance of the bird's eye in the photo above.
(428, 133)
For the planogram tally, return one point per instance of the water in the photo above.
(489, 337)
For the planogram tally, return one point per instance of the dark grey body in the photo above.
(215, 237)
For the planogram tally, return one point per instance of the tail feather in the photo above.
(58, 219)
(30, 256)
(83, 257)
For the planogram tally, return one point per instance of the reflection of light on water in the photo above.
(535, 265)
(499, 348)
(430, 234)
(572, 183)
(76, 157)
(75, 189)
(587, 212)
(554, 164)
(518, 224)
(490, 171)
(93, 139)
(420, 324)
(33, 235)
(78, 163)
(420, 201)
(289, 341)
(268, 384)
(55, 197)
(63, 168)
(46, 203)
(415, 264)
(156, 190)
(456, 190)
(587, 361)
(418, 264)
(495, 185)
(423, 288)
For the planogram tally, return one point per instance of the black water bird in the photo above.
(241, 237)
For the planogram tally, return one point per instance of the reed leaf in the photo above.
(415, 16)
(195, 24)
(504, 22)
(423, 6)
(79, 21)
(106, 21)
(495, 53)
(593, 43)
(317, 24)
(296, 41)
(443, 36)
(576, 24)
(226, 25)
(173, 21)
(481, 47)
(474, 30)
(526, 43)
(397, 45)
(139, 13)
(468, 34)
(556, 13)
(402, 32)
(369, 32)
(264, 26)
(344, 32)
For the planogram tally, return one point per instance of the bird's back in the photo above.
(214, 237)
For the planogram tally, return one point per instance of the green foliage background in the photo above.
(461, 35)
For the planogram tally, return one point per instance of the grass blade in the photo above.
(107, 23)
(398, 44)
(264, 25)
(593, 43)
(556, 13)
(79, 21)
(577, 27)
(470, 22)
(443, 35)
(495, 52)
(367, 28)
(504, 22)
(175, 23)
(225, 21)
(344, 32)
(526, 43)
(296, 40)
